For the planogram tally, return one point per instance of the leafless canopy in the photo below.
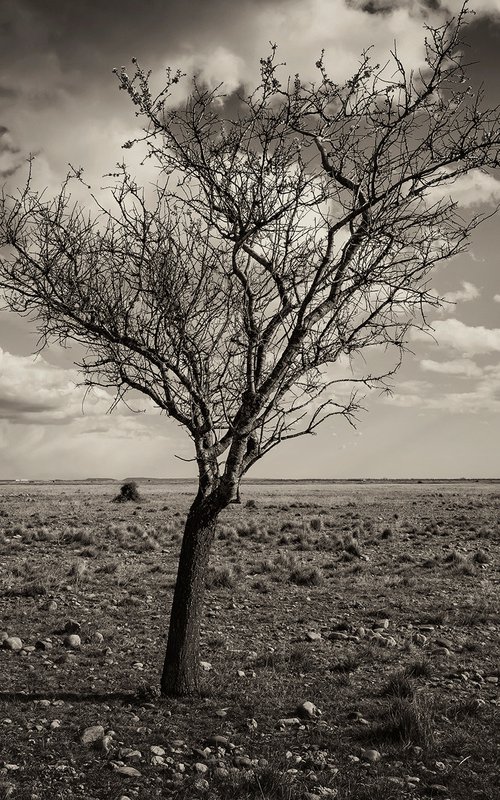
(290, 229)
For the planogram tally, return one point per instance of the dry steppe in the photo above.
(377, 605)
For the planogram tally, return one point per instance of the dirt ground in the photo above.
(377, 604)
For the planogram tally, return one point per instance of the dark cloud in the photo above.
(13, 408)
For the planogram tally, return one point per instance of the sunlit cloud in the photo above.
(467, 339)
(462, 366)
(467, 293)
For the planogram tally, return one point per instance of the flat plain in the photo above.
(376, 605)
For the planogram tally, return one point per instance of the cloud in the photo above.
(464, 295)
(473, 189)
(496, 298)
(10, 158)
(468, 340)
(463, 366)
(483, 397)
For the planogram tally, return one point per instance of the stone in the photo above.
(3, 636)
(313, 636)
(242, 762)
(438, 788)
(97, 637)
(201, 785)
(445, 643)
(382, 623)
(217, 741)
(308, 710)
(157, 750)
(288, 722)
(130, 754)
(72, 641)
(92, 734)
(129, 772)
(12, 643)
(370, 755)
(200, 768)
(206, 666)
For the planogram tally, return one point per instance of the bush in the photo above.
(306, 576)
(129, 492)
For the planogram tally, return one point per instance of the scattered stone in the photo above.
(51, 606)
(370, 755)
(3, 636)
(12, 643)
(97, 637)
(201, 785)
(241, 673)
(308, 710)
(92, 735)
(445, 643)
(242, 762)
(338, 636)
(157, 750)
(382, 623)
(206, 666)
(438, 788)
(491, 679)
(202, 769)
(313, 636)
(289, 722)
(217, 741)
(129, 754)
(72, 641)
(129, 772)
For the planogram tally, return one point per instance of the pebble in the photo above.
(313, 636)
(308, 710)
(92, 734)
(217, 741)
(242, 762)
(206, 666)
(12, 643)
(370, 755)
(130, 772)
(73, 641)
(157, 750)
(201, 785)
(288, 722)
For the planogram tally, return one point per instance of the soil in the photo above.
(379, 604)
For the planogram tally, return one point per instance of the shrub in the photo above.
(306, 576)
(129, 492)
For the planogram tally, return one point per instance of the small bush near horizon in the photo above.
(129, 493)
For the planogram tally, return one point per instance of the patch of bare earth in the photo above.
(376, 606)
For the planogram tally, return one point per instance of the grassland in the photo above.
(379, 604)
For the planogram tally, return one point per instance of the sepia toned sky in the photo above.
(59, 100)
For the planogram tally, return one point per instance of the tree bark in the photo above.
(181, 668)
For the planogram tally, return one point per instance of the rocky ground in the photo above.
(350, 646)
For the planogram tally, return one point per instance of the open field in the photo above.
(377, 603)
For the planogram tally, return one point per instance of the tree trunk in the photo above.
(182, 664)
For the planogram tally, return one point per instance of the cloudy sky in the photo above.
(59, 99)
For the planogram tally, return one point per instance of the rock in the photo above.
(241, 673)
(3, 636)
(129, 772)
(438, 788)
(106, 743)
(242, 762)
(97, 637)
(157, 750)
(217, 741)
(288, 722)
(200, 768)
(308, 710)
(370, 755)
(419, 639)
(72, 641)
(12, 643)
(201, 785)
(313, 636)
(92, 735)
(206, 666)
(51, 606)
(446, 643)
(72, 626)
(382, 623)
(129, 754)
(338, 636)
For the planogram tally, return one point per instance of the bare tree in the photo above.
(291, 229)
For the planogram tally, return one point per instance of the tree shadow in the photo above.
(137, 697)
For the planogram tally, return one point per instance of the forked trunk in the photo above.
(182, 664)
